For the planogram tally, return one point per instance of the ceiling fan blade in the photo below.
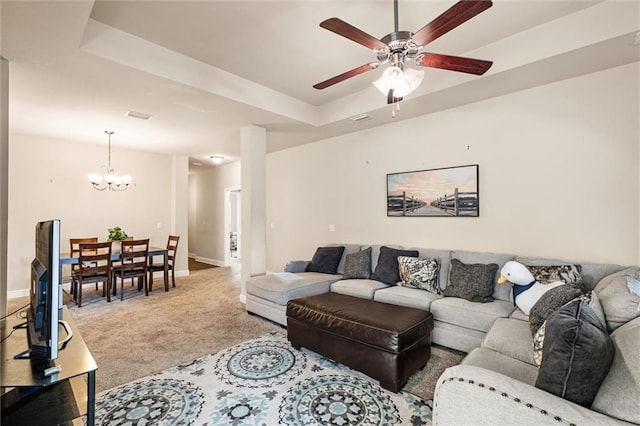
(453, 63)
(340, 27)
(457, 14)
(345, 75)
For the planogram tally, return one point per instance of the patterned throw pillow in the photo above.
(357, 265)
(545, 274)
(418, 273)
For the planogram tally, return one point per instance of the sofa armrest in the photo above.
(467, 394)
(294, 266)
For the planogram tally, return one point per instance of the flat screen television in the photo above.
(43, 314)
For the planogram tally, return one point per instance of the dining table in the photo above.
(68, 259)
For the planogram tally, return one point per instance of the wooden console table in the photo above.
(30, 398)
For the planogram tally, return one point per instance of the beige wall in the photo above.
(206, 216)
(558, 177)
(48, 179)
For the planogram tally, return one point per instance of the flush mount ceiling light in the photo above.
(217, 159)
(109, 180)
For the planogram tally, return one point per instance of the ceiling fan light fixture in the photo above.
(402, 82)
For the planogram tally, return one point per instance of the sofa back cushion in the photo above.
(620, 305)
(618, 394)
(501, 291)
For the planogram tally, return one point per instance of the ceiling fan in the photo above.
(400, 46)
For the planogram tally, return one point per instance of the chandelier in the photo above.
(109, 180)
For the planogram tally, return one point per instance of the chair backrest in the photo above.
(172, 247)
(74, 244)
(134, 255)
(94, 259)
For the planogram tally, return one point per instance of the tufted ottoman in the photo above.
(386, 342)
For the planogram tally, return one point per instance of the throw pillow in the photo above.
(546, 274)
(577, 354)
(326, 260)
(473, 282)
(357, 265)
(538, 344)
(418, 273)
(549, 303)
(387, 267)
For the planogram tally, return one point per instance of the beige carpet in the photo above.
(142, 335)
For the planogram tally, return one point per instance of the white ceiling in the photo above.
(204, 69)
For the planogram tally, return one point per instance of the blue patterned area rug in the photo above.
(264, 381)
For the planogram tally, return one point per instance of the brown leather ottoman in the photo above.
(384, 341)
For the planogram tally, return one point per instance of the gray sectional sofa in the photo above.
(495, 383)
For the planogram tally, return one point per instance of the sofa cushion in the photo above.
(405, 296)
(281, 287)
(387, 267)
(326, 260)
(512, 338)
(503, 364)
(501, 291)
(296, 266)
(474, 282)
(619, 304)
(577, 354)
(358, 265)
(419, 273)
(618, 393)
(473, 315)
(357, 287)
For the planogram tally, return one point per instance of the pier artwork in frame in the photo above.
(446, 192)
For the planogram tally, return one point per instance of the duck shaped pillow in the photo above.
(526, 289)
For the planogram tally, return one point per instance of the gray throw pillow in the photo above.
(357, 265)
(418, 273)
(387, 266)
(472, 282)
(326, 260)
(549, 303)
(577, 354)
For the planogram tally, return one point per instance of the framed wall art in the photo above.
(446, 192)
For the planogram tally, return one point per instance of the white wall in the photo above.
(206, 216)
(48, 179)
(558, 177)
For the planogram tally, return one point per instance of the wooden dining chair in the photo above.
(94, 266)
(74, 249)
(133, 264)
(172, 248)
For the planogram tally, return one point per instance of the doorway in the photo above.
(232, 225)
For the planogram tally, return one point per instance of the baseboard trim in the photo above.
(209, 261)
(14, 294)
(243, 298)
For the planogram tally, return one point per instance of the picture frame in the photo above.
(443, 192)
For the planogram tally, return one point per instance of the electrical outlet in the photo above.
(159, 225)
(332, 228)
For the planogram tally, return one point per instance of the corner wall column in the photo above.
(180, 210)
(4, 180)
(253, 148)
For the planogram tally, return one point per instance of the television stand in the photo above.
(29, 397)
